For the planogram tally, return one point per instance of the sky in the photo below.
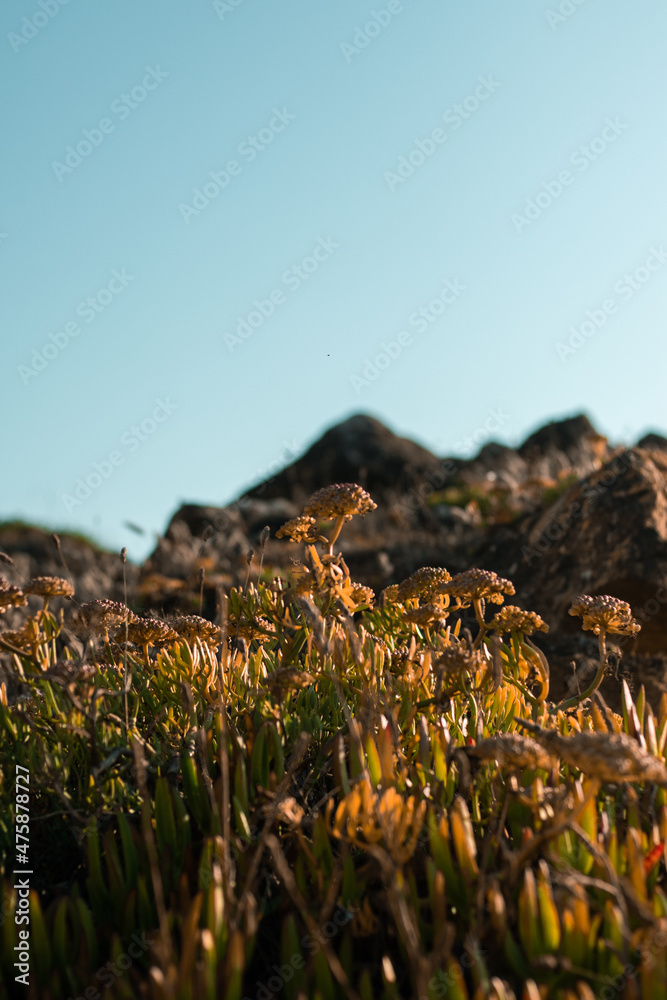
(226, 225)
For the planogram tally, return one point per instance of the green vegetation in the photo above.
(16, 524)
(326, 796)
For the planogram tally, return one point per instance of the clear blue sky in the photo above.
(366, 156)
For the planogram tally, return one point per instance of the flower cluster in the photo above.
(609, 757)
(340, 500)
(424, 583)
(192, 627)
(513, 619)
(605, 614)
(49, 586)
(147, 632)
(10, 596)
(299, 529)
(477, 585)
(98, 616)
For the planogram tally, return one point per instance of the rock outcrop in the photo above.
(563, 514)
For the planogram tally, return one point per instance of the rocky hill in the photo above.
(565, 513)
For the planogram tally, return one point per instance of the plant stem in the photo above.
(340, 521)
(595, 683)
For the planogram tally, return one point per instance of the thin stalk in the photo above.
(340, 521)
(595, 683)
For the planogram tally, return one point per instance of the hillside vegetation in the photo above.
(326, 793)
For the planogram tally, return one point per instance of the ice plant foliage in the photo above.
(326, 794)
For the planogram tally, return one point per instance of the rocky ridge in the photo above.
(563, 514)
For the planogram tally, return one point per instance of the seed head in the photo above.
(255, 629)
(340, 500)
(362, 595)
(477, 584)
(299, 529)
(25, 638)
(605, 614)
(611, 757)
(458, 659)
(99, 616)
(192, 627)
(423, 583)
(425, 615)
(49, 586)
(289, 679)
(512, 750)
(10, 596)
(148, 632)
(513, 619)
(73, 670)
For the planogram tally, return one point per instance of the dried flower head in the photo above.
(391, 594)
(340, 500)
(192, 627)
(423, 583)
(513, 750)
(98, 616)
(10, 596)
(71, 670)
(49, 586)
(287, 811)
(25, 638)
(612, 757)
(458, 659)
(148, 632)
(362, 595)
(477, 584)
(425, 615)
(256, 629)
(289, 679)
(605, 614)
(299, 529)
(513, 619)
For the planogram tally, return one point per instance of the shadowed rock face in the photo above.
(359, 450)
(570, 446)
(563, 514)
(607, 534)
(95, 573)
(653, 442)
